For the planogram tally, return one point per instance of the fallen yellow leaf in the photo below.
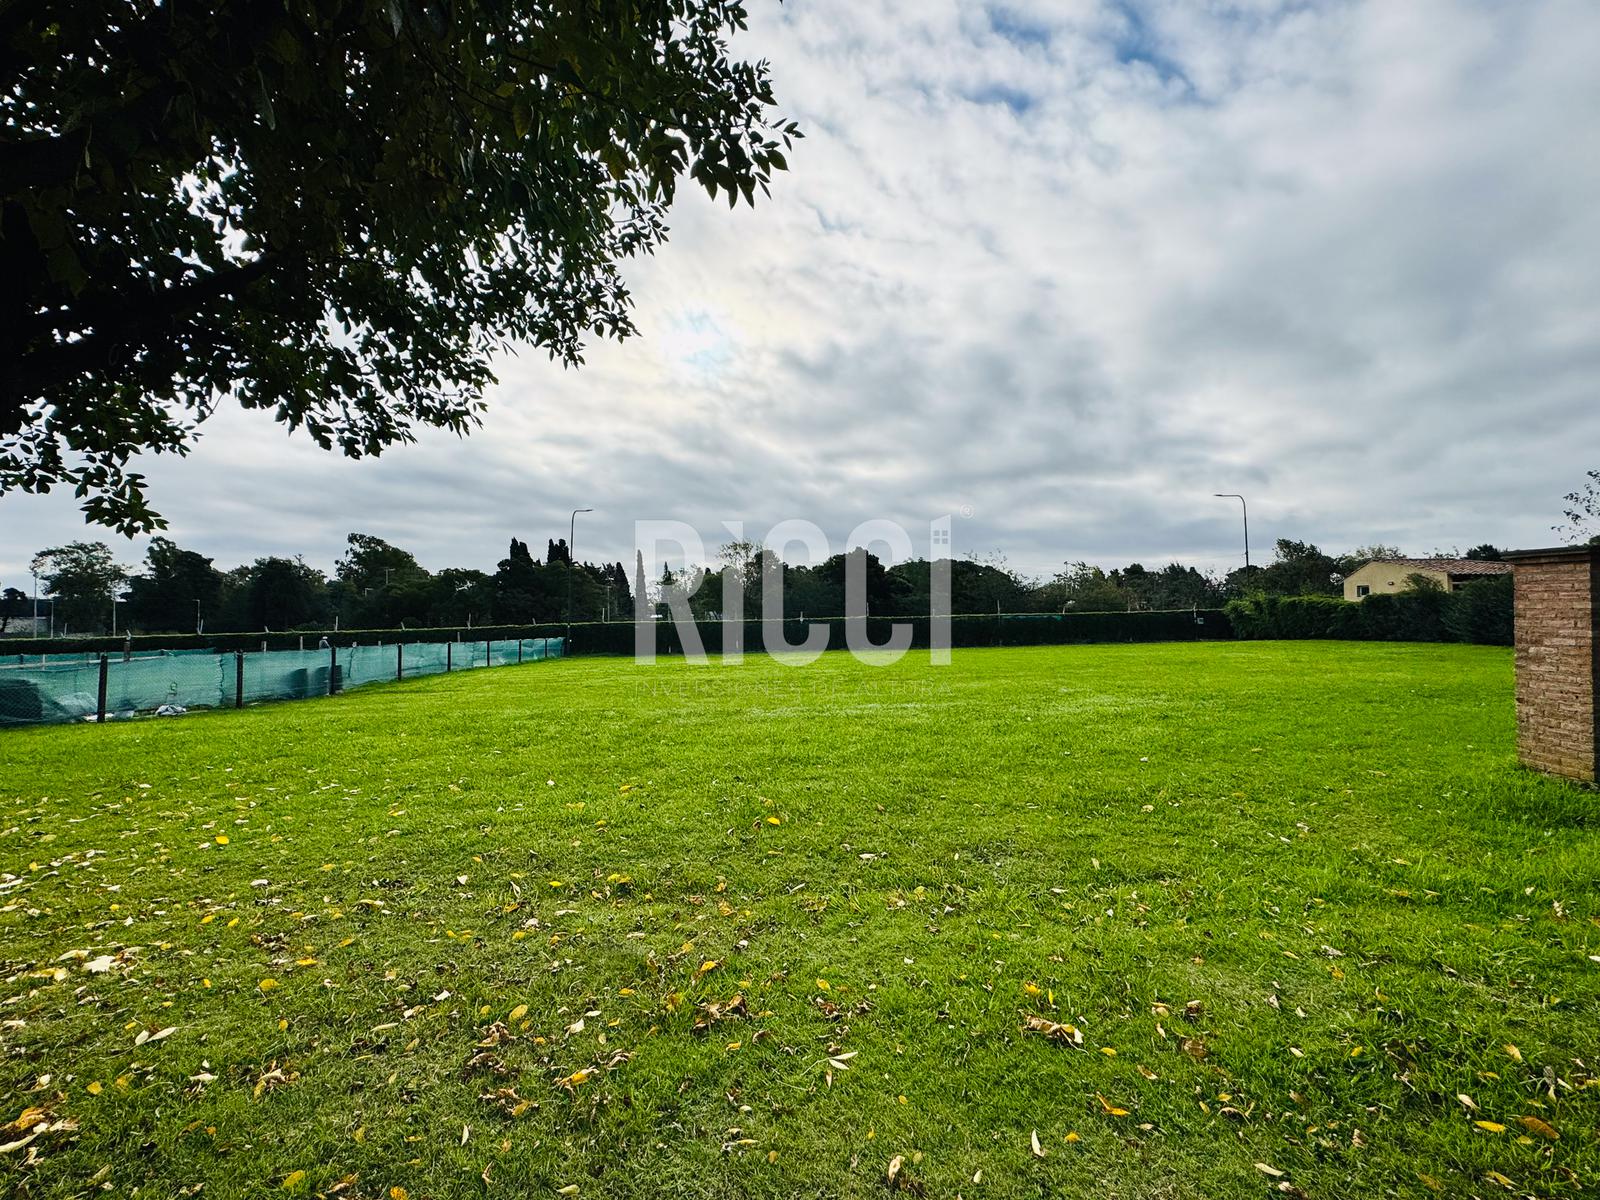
(1111, 1109)
(1542, 1128)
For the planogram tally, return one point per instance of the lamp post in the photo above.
(572, 565)
(1245, 510)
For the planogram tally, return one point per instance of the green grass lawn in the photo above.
(593, 928)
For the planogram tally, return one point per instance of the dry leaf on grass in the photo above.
(1056, 1031)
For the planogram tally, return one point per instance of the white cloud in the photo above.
(1077, 266)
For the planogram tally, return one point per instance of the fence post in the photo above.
(488, 654)
(449, 649)
(333, 669)
(519, 652)
(238, 678)
(100, 706)
(399, 660)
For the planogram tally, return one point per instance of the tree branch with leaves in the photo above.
(337, 213)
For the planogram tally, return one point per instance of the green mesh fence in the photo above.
(39, 689)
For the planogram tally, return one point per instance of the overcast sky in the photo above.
(1063, 269)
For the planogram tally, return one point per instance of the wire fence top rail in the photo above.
(62, 688)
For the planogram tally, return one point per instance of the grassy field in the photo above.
(590, 928)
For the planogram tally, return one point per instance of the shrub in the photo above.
(1479, 612)
(1483, 611)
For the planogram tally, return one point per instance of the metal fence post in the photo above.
(399, 660)
(238, 678)
(333, 669)
(488, 654)
(449, 649)
(100, 706)
(519, 652)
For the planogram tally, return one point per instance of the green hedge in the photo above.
(1006, 629)
(1480, 612)
(617, 637)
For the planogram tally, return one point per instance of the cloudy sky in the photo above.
(1063, 268)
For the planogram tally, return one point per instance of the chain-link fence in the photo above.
(40, 689)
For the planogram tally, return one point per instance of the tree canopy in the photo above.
(333, 211)
(178, 589)
(84, 578)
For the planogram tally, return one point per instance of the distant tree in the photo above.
(1242, 581)
(742, 557)
(163, 597)
(371, 562)
(1300, 569)
(1083, 588)
(1136, 583)
(14, 605)
(458, 597)
(641, 588)
(806, 590)
(830, 576)
(985, 585)
(619, 597)
(1375, 551)
(233, 605)
(681, 585)
(285, 593)
(336, 212)
(1582, 511)
(83, 577)
(1484, 553)
(519, 594)
(1173, 586)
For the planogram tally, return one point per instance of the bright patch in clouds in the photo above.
(1074, 265)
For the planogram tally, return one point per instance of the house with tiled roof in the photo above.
(1391, 575)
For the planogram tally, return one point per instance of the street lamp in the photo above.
(1245, 510)
(572, 565)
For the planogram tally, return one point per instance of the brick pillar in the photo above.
(1558, 659)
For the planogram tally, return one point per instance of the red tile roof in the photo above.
(1449, 566)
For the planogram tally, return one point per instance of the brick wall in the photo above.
(1557, 617)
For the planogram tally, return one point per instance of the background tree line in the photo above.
(374, 585)
(377, 585)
